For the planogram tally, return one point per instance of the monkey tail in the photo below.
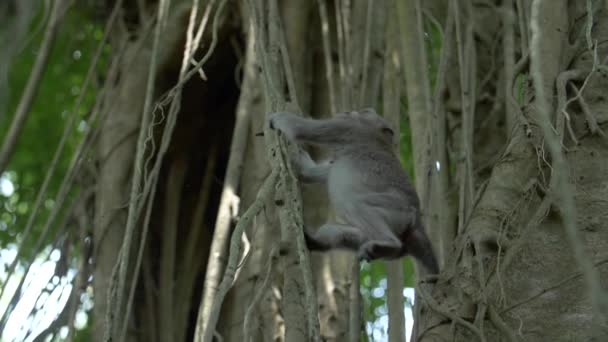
(314, 244)
(422, 250)
(418, 245)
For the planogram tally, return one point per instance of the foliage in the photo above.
(61, 85)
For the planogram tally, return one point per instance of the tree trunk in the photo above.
(518, 267)
(514, 254)
(176, 217)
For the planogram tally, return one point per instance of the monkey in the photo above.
(367, 186)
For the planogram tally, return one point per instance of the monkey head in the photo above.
(367, 124)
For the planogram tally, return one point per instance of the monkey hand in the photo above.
(308, 170)
(303, 160)
(284, 122)
(366, 252)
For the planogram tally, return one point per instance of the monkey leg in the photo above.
(335, 235)
(310, 171)
(376, 249)
(384, 217)
(379, 239)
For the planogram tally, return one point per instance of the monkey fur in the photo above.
(366, 183)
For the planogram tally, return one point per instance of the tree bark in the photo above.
(507, 274)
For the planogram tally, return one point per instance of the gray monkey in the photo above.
(367, 186)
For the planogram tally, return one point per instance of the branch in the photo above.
(115, 304)
(329, 69)
(467, 94)
(290, 215)
(137, 196)
(258, 295)
(560, 184)
(500, 324)
(366, 53)
(33, 83)
(445, 312)
(263, 196)
(75, 163)
(550, 288)
(508, 42)
(591, 120)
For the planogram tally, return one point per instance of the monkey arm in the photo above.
(303, 130)
(310, 171)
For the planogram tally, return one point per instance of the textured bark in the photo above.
(116, 149)
(177, 235)
(509, 274)
(513, 275)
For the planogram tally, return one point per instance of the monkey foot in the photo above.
(366, 253)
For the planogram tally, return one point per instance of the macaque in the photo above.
(367, 186)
